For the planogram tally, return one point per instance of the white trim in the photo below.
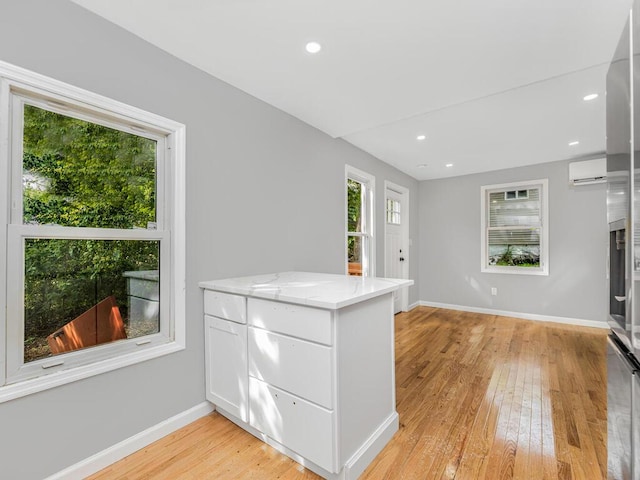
(56, 88)
(170, 219)
(15, 119)
(369, 220)
(524, 316)
(5, 206)
(177, 142)
(62, 377)
(413, 305)
(84, 233)
(404, 228)
(368, 451)
(120, 450)
(53, 102)
(359, 175)
(509, 186)
(544, 227)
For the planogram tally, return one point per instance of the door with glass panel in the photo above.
(396, 241)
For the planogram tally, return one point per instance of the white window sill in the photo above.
(516, 270)
(45, 382)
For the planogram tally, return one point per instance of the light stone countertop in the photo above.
(320, 290)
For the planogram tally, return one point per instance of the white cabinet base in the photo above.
(353, 468)
(317, 361)
(304, 427)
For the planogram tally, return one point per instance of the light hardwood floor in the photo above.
(479, 397)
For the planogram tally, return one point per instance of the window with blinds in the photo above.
(514, 228)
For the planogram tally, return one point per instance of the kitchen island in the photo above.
(305, 362)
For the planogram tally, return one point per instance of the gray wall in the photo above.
(450, 247)
(264, 193)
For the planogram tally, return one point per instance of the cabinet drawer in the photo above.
(299, 321)
(225, 305)
(297, 366)
(226, 365)
(305, 428)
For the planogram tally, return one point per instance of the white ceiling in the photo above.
(492, 84)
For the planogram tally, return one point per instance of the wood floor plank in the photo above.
(526, 446)
(479, 397)
(502, 447)
(549, 462)
(479, 443)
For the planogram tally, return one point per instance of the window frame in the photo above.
(485, 191)
(516, 194)
(391, 213)
(19, 86)
(367, 235)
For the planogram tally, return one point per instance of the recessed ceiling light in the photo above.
(313, 47)
(422, 165)
(591, 96)
(421, 137)
(449, 165)
(575, 142)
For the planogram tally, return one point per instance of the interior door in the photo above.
(396, 243)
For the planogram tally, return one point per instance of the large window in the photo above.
(93, 275)
(515, 228)
(359, 237)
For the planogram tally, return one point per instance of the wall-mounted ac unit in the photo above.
(588, 172)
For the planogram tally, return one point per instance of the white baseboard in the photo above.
(525, 316)
(116, 452)
(353, 467)
(413, 305)
(371, 448)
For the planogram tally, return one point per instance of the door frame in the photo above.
(404, 232)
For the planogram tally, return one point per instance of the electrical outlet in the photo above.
(494, 291)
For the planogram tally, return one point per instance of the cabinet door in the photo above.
(226, 365)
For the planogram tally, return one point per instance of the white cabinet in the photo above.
(226, 379)
(312, 377)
